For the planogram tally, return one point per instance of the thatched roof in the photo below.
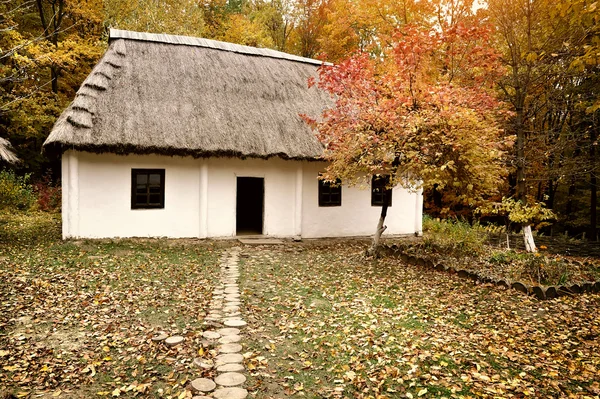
(6, 152)
(179, 95)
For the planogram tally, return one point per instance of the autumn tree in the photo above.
(176, 17)
(48, 47)
(538, 43)
(416, 117)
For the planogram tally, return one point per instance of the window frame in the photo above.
(326, 190)
(135, 172)
(376, 196)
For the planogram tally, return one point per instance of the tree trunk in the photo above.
(593, 187)
(521, 183)
(528, 237)
(375, 247)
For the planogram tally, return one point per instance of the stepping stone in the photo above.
(160, 337)
(201, 397)
(227, 309)
(203, 385)
(229, 358)
(175, 340)
(211, 335)
(230, 367)
(232, 315)
(234, 323)
(232, 297)
(230, 379)
(203, 363)
(230, 339)
(232, 290)
(229, 331)
(231, 285)
(230, 348)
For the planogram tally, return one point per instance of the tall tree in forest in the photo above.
(176, 17)
(537, 40)
(415, 117)
(47, 53)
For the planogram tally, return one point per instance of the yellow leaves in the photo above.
(422, 392)
(11, 368)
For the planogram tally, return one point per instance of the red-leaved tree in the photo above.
(423, 113)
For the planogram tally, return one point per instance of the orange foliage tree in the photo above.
(422, 113)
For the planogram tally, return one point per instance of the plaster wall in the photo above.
(356, 216)
(279, 196)
(101, 205)
(200, 199)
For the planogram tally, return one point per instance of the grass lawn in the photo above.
(326, 323)
(76, 318)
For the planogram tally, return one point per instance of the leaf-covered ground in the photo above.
(326, 323)
(76, 318)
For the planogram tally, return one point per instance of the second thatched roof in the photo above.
(178, 95)
(6, 152)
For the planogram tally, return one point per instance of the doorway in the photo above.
(250, 205)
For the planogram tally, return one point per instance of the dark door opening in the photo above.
(250, 205)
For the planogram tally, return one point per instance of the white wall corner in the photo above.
(203, 199)
(65, 214)
(419, 213)
(72, 202)
(298, 201)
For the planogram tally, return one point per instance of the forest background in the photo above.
(550, 77)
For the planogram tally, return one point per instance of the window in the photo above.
(330, 194)
(147, 188)
(379, 192)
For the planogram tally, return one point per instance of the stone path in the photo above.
(225, 322)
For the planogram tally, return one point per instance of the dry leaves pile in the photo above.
(327, 323)
(76, 319)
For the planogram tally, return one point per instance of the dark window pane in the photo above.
(141, 199)
(147, 188)
(329, 194)
(154, 199)
(379, 191)
(142, 179)
(155, 179)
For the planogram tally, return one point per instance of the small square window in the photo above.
(147, 188)
(330, 194)
(379, 192)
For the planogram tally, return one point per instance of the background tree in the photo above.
(48, 48)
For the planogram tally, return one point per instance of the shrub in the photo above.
(15, 191)
(453, 236)
(48, 194)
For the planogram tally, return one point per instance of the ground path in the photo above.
(225, 323)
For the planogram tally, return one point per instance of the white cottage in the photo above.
(174, 136)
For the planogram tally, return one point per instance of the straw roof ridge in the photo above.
(199, 100)
(208, 43)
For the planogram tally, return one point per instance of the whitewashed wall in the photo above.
(200, 199)
(356, 216)
(97, 197)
